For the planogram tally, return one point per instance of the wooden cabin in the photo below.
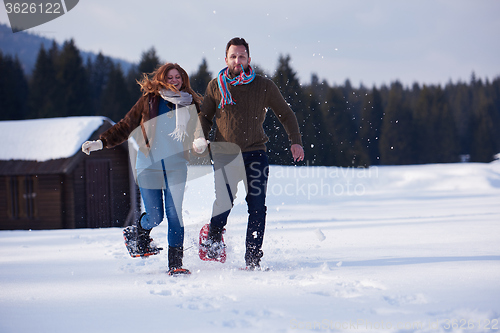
(47, 182)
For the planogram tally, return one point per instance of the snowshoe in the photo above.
(175, 255)
(139, 244)
(178, 271)
(209, 249)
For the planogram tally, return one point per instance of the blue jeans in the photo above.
(166, 199)
(256, 173)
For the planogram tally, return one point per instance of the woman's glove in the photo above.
(199, 145)
(89, 146)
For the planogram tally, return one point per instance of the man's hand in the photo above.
(297, 152)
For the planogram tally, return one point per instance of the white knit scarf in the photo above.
(181, 114)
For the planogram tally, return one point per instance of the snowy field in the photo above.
(386, 249)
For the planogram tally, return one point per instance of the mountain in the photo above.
(26, 46)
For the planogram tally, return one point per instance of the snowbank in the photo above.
(415, 249)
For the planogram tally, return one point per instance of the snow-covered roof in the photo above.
(45, 139)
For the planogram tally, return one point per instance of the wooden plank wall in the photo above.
(61, 198)
(119, 187)
(48, 213)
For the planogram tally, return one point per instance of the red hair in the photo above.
(158, 81)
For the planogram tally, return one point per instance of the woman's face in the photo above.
(174, 78)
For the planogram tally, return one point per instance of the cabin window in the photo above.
(21, 197)
(12, 197)
(29, 197)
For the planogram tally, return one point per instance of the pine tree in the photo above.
(313, 129)
(288, 83)
(13, 89)
(354, 99)
(436, 135)
(485, 124)
(396, 140)
(425, 127)
(149, 61)
(279, 145)
(459, 98)
(338, 120)
(43, 86)
(315, 135)
(372, 116)
(447, 139)
(148, 64)
(483, 141)
(98, 73)
(133, 88)
(201, 78)
(73, 97)
(114, 102)
(259, 70)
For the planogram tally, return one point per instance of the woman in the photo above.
(165, 125)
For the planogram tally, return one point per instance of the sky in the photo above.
(372, 42)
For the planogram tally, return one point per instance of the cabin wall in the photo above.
(119, 188)
(46, 202)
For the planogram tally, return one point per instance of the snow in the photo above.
(385, 249)
(45, 139)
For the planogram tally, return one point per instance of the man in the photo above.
(239, 100)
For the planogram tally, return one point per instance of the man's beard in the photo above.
(233, 73)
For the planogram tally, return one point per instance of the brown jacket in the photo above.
(144, 110)
(242, 123)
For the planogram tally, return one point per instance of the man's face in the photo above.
(236, 57)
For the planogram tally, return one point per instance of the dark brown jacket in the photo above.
(144, 110)
(242, 122)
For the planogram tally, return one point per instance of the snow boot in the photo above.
(138, 241)
(214, 233)
(212, 247)
(252, 258)
(175, 255)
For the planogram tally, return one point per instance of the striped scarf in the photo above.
(223, 79)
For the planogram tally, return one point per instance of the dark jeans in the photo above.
(255, 176)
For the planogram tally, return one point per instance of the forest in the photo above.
(341, 125)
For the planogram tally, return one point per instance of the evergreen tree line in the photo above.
(393, 125)
(341, 125)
